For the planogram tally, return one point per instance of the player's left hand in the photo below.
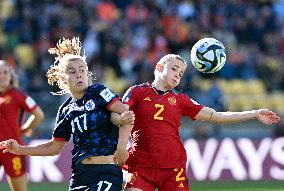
(120, 156)
(267, 117)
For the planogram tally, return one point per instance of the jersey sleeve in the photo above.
(26, 102)
(105, 96)
(129, 98)
(63, 129)
(190, 107)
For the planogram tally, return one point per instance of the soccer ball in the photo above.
(208, 55)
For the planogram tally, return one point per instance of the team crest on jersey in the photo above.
(90, 105)
(172, 100)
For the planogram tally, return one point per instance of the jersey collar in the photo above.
(160, 92)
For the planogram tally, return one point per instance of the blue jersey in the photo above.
(88, 120)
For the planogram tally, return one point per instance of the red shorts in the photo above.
(14, 165)
(165, 179)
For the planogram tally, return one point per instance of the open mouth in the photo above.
(79, 83)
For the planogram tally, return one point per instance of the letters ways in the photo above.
(240, 159)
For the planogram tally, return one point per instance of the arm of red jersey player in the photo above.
(263, 115)
(36, 118)
(118, 107)
(49, 148)
(126, 121)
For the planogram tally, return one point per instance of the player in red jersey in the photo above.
(13, 104)
(157, 156)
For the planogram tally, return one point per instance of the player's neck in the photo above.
(159, 86)
(4, 89)
(77, 95)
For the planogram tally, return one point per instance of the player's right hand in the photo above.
(10, 145)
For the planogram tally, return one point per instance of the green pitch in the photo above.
(40, 187)
(195, 186)
(238, 186)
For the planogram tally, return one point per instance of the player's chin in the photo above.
(4, 85)
(173, 84)
(81, 87)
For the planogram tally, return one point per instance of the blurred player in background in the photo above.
(13, 105)
(98, 144)
(157, 158)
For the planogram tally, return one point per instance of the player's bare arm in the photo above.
(119, 107)
(263, 115)
(49, 148)
(34, 120)
(125, 121)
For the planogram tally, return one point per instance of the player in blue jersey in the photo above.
(98, 144)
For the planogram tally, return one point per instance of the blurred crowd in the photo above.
(123, 40)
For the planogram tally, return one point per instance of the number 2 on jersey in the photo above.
(179, 176)
(158, 113)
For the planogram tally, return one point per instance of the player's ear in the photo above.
(160, 67)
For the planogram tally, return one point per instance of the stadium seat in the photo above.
(255, 87)
(118, 85)
(277, 101)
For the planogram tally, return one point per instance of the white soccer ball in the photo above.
(208, 55)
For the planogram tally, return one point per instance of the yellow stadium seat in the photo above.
(246, 102)
(26, 55)
(118, 85)
(277, 102)
(205, 85)
(255, 87)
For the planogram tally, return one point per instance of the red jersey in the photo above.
(155, 135)
(13, 104)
